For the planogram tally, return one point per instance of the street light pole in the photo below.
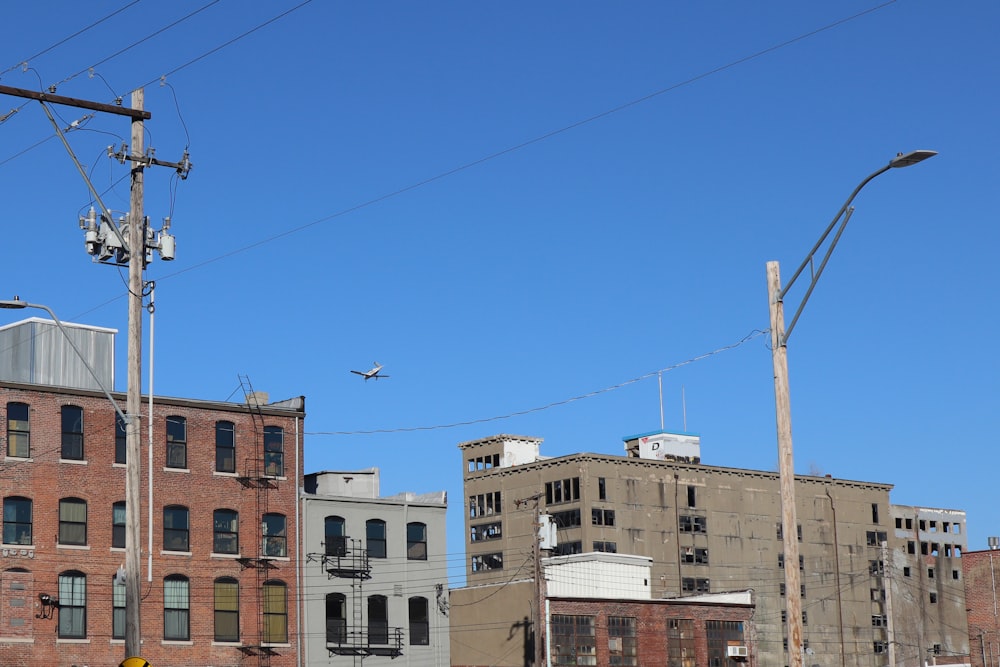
(782, 401)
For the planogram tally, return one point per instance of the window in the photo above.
(879, 646)
(573, 641)
(930, 573)
(880, 621)
(798, 530)
(420, 632)
(802, 591)
(72, 605)
(874, 512)
(416, 541)
(275, 535)
(933, 598)
(876, 568)
(693, 585)
(225, 447)
(275, 612)
(602, 517)
(225, 526)
(875, 538)
(72, 521)
(911, 547)
(16, 520)
(781, 562)
(335, 539)
(18, 430)
(693, 524)
(721, 635)
(602, 489)
(118, 525)
(562, 491)
(486, 531)
(176, 442)
(176, 608)
(378, 620)
(274, 451)
(680, 642)
(483, 562)
(121, 439)
(227, 610)
(606, 547)
(692, 496)
(566, 519)
(700, 557)
(623, 646)
(336, 618)
(568, 548)
(117, 610)
(906, 571)
(72, 433)
(485, 504)
(375, 534)
(176, 529)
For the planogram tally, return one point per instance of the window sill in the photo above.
(218, 555)
(117, 465)
(74, 547)
(75, 462)
(219, 473)
(19, 458)
(118, 549)
(29, 547)
(67, 640)
(166, 469)
(175, 553)
(177, 642)
(236, 643)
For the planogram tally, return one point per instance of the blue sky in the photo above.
(515, 204)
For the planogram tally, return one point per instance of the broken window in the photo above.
(695, 556)
(602, 489)
(691, 496)
(876, 538)
(606, 547)
(486, 531)
(874, 512)
(601, 517)
(693, 524)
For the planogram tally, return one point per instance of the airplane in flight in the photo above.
(372, 374)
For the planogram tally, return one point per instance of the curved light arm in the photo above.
(16, 303)
(901, 160)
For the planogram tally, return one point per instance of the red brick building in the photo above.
(981, 572)
(218, 584)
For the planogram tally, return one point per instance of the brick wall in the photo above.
(29, 570)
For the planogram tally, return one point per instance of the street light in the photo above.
(132, 548)
(779, 356)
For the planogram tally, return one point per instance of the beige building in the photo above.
(711, 529)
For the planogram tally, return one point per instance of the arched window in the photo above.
(176, 608)
(18, 431)
(378, 619)
(375, 538)
(227, 610)
(416, 541)
(176, 528)
(274, 451)
(275, 612)
(176, 442)
(72, 605)
(17, 520)
(72, 521)
(72, 432)
(118, 525)
(336, 618)
(225, 447)
(275, 535)
(335, 537)
(226, 538)
(420, 634)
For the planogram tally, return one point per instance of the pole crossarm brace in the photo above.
(74, 102)
(843, 216)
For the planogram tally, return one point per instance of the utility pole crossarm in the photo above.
(136, 114)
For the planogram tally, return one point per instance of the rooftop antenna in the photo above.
(684, 409)
(659, 380)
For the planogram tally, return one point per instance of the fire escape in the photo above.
(260, 478)
(344, 558)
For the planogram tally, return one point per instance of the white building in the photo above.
(375, 579)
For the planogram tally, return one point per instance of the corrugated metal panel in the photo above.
(35, 351)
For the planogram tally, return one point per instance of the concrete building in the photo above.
(374, 572)
(598, 610)
(709, 529)
(981, 576)
(218, 520)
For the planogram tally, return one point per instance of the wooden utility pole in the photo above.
(890, 632)
(786, 467)
(136, 259)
